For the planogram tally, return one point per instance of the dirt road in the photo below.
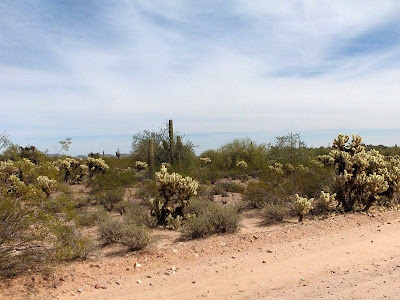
(351, 256)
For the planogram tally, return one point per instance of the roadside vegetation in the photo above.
(62, 208)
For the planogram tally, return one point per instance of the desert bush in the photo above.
(134, 237)
(361, 177)
(124, 232)
(62, 205)
(275, 212)
(232, 187)
(110, 230)
(209, 218)
(90, 218)
(261, 193)
(113, 179)
(302, 206)
(71, 244)
(109, 198)
(136, 214)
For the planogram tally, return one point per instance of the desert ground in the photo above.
(352, 256)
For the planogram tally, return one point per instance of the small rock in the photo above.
(264, 262)
(139, 281)
(269, 251)
(174, 250)
(56, 285)
(193, 281)
(167, 273)
(223, 244)
(137, 265)
(97, 286)
(149, 276)
(80, 290)
(255, 237)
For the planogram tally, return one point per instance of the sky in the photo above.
(101, 71)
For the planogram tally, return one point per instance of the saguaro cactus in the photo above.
(150, 158)
(171, 140)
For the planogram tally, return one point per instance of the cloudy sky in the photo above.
(100, 71)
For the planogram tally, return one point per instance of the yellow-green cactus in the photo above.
(176, 191)
(302, 206)
(141, 165)
(362, 177)
(205, 160)
(327, 201)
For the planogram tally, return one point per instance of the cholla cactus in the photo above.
(141, 165)
(176, 190)
(361, 177)
(46, 184)
(96, 165)
(327, 201)
(20, 179)
(242, 164)
(205, 160)
(302, 206)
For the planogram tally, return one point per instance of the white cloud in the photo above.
(249, 66)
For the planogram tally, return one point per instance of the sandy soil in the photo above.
(353, 256)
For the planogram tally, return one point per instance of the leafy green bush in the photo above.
(90, 218)
(109, 198)
(110, 230)
(209, 218)
(71, 244)
(134, 237)
(124, 232)
(136, 214)
(113, 179)
(275, 212)
(232, 187)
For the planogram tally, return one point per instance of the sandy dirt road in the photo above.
(351, 256)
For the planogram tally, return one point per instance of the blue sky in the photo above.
(100, 71)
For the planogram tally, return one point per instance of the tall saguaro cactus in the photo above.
(171, 140)
(150, 159)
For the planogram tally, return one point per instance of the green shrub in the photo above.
(71, 244)
(275, 212)
(90, 218)
(113, 179)
(124, 232)
(110, 230)
(134, 237)
(209, 218)
(137, 214)
(261, 193)
(232, 187)
(62, 204)
(109, 199)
